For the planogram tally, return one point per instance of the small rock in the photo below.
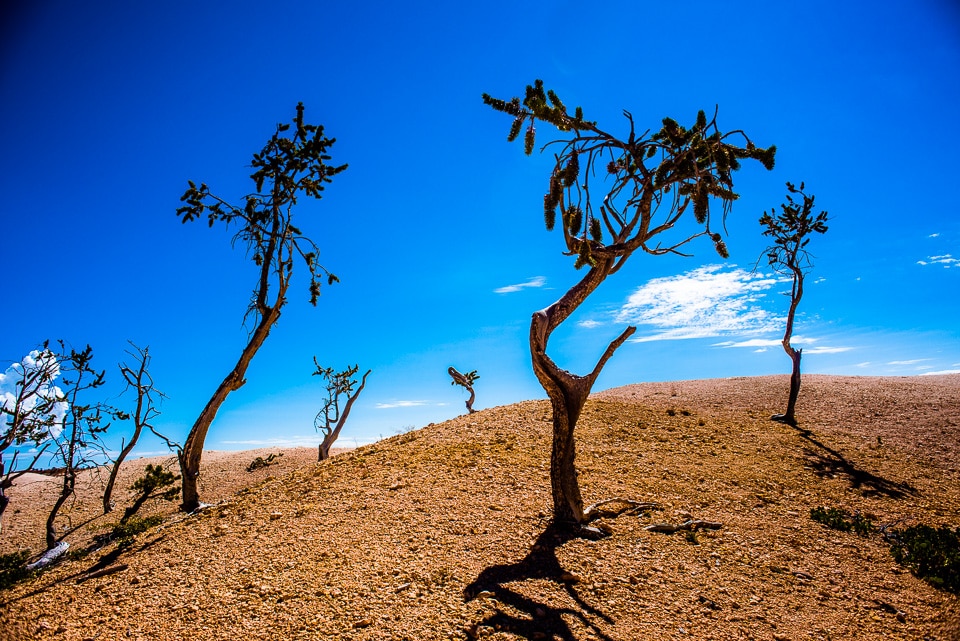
(901, 616)
(569, 577)
(276, 515)
(363, 623)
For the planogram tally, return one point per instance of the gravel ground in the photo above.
(444, 533)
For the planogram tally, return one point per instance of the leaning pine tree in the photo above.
(646, 183)
(791, 231)
(289, 165)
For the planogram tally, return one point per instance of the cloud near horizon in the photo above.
(393, 404)
(536, 281)
(708, 301)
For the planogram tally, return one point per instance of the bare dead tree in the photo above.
(465, 381)
(139, 380)
(78, 444)
(330, 420)
(286, 168)
(791, 231)
(650, 180)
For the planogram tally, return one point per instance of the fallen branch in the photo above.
(631, 507)
(691, 526)
(50, 556)
(120, 567)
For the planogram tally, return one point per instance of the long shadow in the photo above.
(103, 562)
(539, 620)
(827, 462)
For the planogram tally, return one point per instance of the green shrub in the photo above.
(932, 554)
(839, 519)
(124, 531)
(13, 569)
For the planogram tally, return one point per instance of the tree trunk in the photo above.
(66, 490)
(788, 416)
(330, 438)
(568, 393)
(193, 448)
(108, 490)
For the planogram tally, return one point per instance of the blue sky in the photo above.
(436, 229)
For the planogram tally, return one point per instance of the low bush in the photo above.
(13, 568)
(932, 554)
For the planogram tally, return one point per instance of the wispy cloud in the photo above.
(393, 404)
(909, 362)
(536, 281)
(941, 372)
(946, 260)
(708, 301)
(823, 349)
(589, 324)
(936, 235)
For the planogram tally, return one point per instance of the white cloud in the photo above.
(941, 372)
(826, 350)
(536, 281)
(589, 324)
(386, 406)
(946, 260)
(910, 362)
(708, 301)
(936, 235)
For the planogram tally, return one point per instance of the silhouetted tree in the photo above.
(286, 168)
(465, 381)
(78, 443)
(650, 182)
(791, 231)
(138, 379)
(330, 420)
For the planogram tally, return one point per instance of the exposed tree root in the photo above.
(627, 506)
(690, 526)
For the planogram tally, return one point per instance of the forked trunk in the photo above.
(568, 393)
(193, 448)
(331, 437)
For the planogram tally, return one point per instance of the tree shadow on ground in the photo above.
(536, 620)
(827, 462)
(104, 562)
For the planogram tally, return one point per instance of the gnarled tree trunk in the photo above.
(330, 438)
(568, 393)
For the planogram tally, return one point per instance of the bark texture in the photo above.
(568, 392)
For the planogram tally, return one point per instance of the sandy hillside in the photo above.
(444, 533)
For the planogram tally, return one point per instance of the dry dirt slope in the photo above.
(443, 533)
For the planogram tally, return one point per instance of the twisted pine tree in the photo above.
(288, 166)
(611, 197)
(791, 230)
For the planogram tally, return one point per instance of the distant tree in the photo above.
(78, 443)
(330, 420)
(139, 380)
(286, 168)
(791, 231)
(32, 409)
(651, 181)
(465, 381)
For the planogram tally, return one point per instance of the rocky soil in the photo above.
(444, 533)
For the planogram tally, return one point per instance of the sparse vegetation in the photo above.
(13, 568)
(126, 530)
(156, 483)
(840, 519)
(932, 554)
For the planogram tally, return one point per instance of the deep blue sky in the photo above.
(107, 109)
